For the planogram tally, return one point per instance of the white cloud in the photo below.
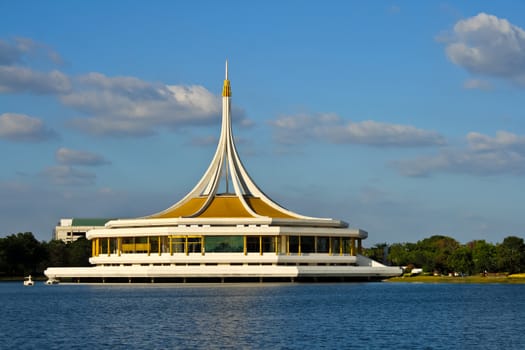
(504, 140)
(21, 127)
(472, 84)
(17, 51)
(484, 155)
(15, 77)
(114, 106)
(333, 129)
(130, 106)
(21, 79)
(68, 156)
(67, 175)
(488, 45)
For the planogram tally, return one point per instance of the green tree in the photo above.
(57, 254)
(483, 256)
(511, 255)
(79, 252)
(401, 254)
(21, 254)
(377, 252)
(461, 260)
(432, 253)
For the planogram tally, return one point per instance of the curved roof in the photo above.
(245, 201)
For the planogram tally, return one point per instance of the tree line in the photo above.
(444, 255)
(22, 254)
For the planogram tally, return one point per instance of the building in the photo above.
(226, 228)
(71, 229)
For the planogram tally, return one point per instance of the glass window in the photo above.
(347, 245)
(293, 244)
(335, 245)
(177, 244)
(323, 246)
(103, 245)
(224, 244)
(252, 244)
(268, 244)
(154, 244)
(307, 244)
(194, 245)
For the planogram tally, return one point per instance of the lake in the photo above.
(269, 316)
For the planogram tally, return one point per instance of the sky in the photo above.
(404, 118)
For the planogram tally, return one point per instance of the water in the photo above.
(269, 316)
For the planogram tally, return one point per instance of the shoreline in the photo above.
(466, 279)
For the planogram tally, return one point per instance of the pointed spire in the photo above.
(245, 199)
(226, 89)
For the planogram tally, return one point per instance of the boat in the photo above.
(51, 281)
(28, 281)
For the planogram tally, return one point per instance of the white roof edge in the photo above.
(225, 230)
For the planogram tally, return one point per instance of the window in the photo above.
(323, 245)
(194, 245)
(293, 244)
(224, 244)
(177, 244)
(252, 244)
(307, 244)
(268, 244)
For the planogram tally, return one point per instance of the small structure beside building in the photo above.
(71, 229)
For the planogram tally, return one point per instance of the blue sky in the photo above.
(402, 118)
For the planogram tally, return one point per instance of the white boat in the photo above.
(51, 281)
(28, 281)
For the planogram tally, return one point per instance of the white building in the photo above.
(71, 229)
(226, 228)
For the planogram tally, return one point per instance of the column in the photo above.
(352, 246)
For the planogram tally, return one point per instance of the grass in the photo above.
(500, 278)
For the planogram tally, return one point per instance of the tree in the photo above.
(21, 254)
(377, 252)
(511, 255)
(57, 253)
(401, 254)
(79, 252)
(461, 260)
(483, 256)
(432, 253)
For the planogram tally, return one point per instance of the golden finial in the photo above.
(226, 88)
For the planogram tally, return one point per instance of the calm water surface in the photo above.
(270, 316)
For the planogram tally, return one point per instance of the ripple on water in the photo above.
(254, 316)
